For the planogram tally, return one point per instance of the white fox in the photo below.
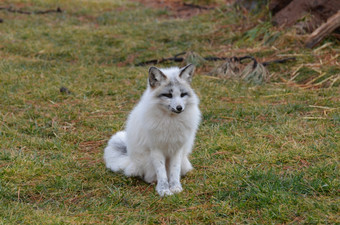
(160, 131)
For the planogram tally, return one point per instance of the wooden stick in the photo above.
(10, 9)
(325, 29)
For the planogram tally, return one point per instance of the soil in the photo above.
(178, 8)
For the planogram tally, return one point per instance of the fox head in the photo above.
(171, 87)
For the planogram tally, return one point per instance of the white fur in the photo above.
(157, 139)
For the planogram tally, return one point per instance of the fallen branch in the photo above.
(156, 61)
(279, 61)
(10, 9)
(176, 58)
(197, 6)
(325, 29)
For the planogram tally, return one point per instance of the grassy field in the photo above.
(265, 154)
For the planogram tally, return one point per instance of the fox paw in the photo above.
(176, 188)
(163, 188)
(164, 192)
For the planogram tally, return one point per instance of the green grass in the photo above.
(263, 155)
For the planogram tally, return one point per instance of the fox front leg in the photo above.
(158, 161)
(175, 173)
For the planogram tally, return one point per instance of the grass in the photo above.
(263, 155)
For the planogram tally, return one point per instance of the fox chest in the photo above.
(169, 134)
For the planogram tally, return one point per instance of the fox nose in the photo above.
(179, 108)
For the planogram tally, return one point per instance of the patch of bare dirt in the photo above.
(178, 8)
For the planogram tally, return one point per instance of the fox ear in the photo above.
(187, 72)
(156, 77)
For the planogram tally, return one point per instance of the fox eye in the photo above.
(184, 94)
(168, 95)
